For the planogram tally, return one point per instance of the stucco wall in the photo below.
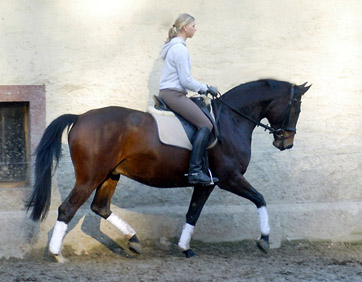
(92, 53)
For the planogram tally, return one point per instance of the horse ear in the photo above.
(303, 88)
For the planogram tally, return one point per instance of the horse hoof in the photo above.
(189, 253)
(263, 244)
(59, 258)
(134, 245)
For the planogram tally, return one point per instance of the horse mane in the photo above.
(246, 87)
(246, 93)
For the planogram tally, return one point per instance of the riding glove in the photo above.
(212, 90)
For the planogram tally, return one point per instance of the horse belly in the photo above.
(165, 167)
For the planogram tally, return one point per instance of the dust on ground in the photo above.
(235, 261)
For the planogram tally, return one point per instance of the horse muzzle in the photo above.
(284, 140)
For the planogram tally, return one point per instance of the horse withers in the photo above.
(108, 142)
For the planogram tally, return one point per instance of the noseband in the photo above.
(278, 133)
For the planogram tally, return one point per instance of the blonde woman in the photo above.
(175, 82)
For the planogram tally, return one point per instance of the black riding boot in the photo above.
(196, 174)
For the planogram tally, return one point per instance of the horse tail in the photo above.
(49, 148)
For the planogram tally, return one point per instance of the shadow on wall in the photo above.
(153, 81)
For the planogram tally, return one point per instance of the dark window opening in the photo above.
(14, 147)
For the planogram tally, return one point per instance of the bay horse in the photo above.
(108, 142)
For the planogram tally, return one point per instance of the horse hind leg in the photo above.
(66, 212)
(101, 206)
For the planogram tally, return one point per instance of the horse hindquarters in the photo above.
(94, 155)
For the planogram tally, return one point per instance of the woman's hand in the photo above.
(212, 90)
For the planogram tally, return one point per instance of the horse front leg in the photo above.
(198, 200)
(263, 241)
(241, 187)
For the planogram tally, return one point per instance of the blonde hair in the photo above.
(182, 20)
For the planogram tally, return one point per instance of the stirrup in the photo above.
(212, 179)
(198, 178)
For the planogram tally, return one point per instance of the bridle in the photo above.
(278, 133)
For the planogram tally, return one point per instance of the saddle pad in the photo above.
(170, 129)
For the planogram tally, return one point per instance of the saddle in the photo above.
(174, 130)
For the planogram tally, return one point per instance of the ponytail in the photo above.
(172, 32)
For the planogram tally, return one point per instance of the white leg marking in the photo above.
(185, 238)
(55, 244)
(264, 221)
(122, 226)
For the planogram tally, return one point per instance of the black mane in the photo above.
(248, 86)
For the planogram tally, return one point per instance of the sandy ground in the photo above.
(237, 261)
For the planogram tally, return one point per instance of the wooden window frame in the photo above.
(35, 96)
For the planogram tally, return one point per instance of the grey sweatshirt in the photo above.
(176, 68)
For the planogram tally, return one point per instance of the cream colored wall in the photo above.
(93, 53)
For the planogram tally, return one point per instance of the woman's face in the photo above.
(190, 29)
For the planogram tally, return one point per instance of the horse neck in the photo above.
(251, 104)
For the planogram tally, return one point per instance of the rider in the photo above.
(175, 82)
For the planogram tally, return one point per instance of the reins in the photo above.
(278, 131)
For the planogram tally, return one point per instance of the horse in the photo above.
(112, 141)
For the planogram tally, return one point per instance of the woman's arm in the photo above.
(183, 66)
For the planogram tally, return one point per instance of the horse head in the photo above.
(283, 114)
